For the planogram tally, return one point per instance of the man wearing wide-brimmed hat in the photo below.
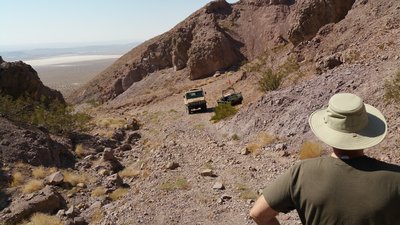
(346, 187)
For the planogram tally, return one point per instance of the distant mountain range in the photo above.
(81, 50)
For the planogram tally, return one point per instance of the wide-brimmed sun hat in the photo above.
(348, 123)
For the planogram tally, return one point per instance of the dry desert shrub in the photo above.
(118, 193)
(80, 150)
(110, 122)
(32, 186)
(74, 178)
(235, 137)
(17, 179)
(98, 191)
(42, 172)
(310, 149)
(392, 89)
(44, 219)
(179, 184)
(245, 192)
(131, 171)
(253, 148)
(39, 172)
(96, 216)
(248, 194)
(263, 139)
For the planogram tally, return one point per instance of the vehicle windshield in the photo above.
(197, 94)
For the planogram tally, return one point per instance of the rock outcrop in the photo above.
(47, 200)
(311, 15)
(19, 79)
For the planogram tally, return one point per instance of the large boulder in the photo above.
(47, 200)
(19, 79)
(311, 15)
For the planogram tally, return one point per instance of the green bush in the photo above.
(392, 89)
(270, 81)
(223, 111)
(55, 116)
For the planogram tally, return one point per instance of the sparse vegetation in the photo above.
(39, 172)
(131, 171)
(392, 89)
(181, 184)
(249, 194)
(253, 148)
(118, 193)
(223, 111)
(310, 149)
(235, 137)
(270, 81)
(352, 55)
(93, 102)
(98, 191)
(110, 122)
(208, 165)
(96, 216)
(17, 179)
(55, 117)
(199, 126)
(245, 192)
(80, 150)
(262, 140)
(290, 66)
(32, 186)
(74, 178)
(44, 219)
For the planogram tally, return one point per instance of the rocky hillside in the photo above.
(219, 36)
(168, 167)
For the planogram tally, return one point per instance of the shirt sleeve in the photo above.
(278, 194)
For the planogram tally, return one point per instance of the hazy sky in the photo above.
(52, 23)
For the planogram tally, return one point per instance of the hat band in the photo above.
(347, 123)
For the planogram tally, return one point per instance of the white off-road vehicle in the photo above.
(195, 99)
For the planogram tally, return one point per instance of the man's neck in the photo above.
(346, 154)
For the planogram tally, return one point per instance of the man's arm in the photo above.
(262, 213)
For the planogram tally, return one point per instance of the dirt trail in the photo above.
(183, 196)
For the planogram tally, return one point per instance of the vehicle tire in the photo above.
(204, 108)
(188, 110)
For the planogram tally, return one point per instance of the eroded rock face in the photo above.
(32, 146)
(18, 79)
(211, 51)
(216, 37)
(311, 15)
(197, 44)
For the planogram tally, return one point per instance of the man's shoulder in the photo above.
(314, 161)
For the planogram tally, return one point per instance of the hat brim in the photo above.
(370, 136)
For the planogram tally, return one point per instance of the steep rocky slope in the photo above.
(217, 37)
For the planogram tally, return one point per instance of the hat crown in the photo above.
(346, 113)
(346, 103)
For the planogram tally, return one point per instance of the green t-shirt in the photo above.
(331, 191)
